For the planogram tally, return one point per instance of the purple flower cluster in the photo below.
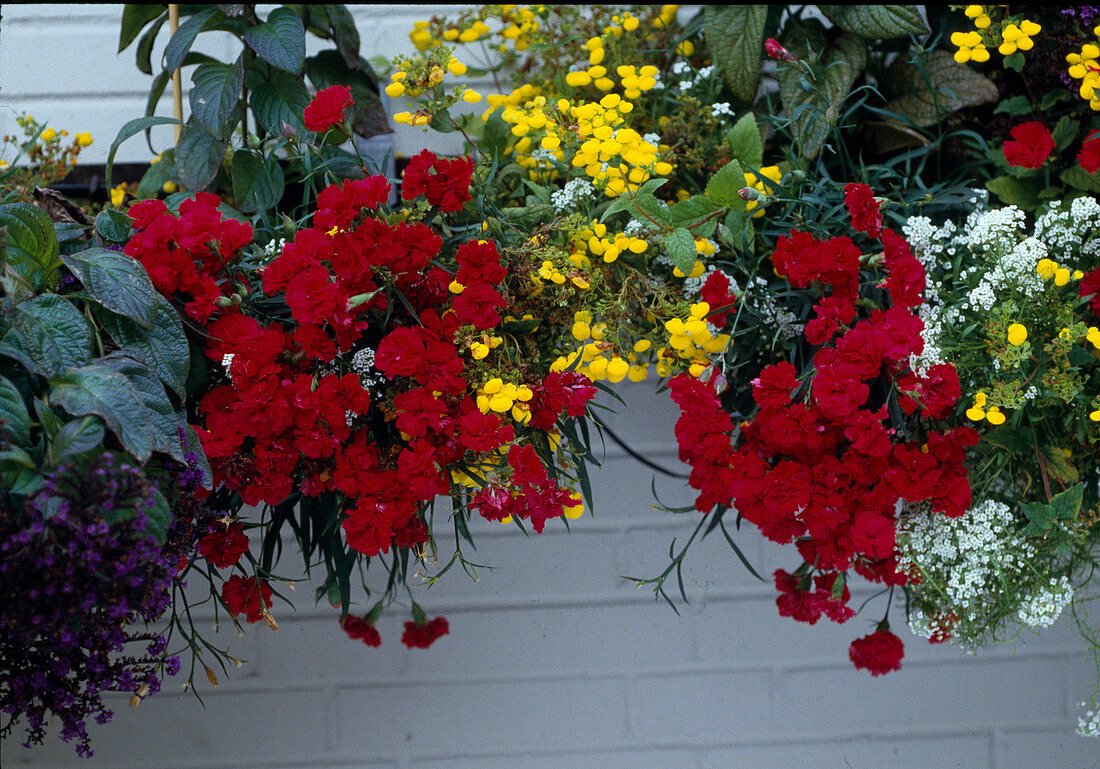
(77, 569)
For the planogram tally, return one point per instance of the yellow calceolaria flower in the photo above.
(971, 47)
(1095, 415)
(1017, 334)
(48, 135)
(118, 194)
(395, 89)
(773, 174)
(84, 138)
(1093, 336)
(994, 416)
(1046, 268)
(977, 411)
(1018, 38)
(1083, 66)
(978, 14)
(575, 508)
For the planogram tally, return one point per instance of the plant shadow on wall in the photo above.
(740, 204)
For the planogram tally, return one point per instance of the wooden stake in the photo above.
(177, 82)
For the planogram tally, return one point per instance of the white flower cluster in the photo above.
(569, 196)
(689, 78)
(721, 108)
(1088, 725)
(1042, 608)
(1071, 228)
(271, 251)
(362, 363)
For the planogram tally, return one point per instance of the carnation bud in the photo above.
(269, 620)
(213, 679)
(289, 132)
(749, 194)
(223, 302)
(776, 50)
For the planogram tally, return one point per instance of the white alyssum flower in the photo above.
(1045, 606)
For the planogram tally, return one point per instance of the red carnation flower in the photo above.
(224, 545)
(1090, 286)
(1089, 156)
(1031, 147)
(327, 108)
(359, 629)
(243, 595)
(863, 208)
(422, 636)
(878, 653)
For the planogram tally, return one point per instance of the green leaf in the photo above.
(15, 456)
(110, 395)
(697, 214)
(814, 110)
(144, 53)
(76, 437)
(280, 41)
(257, 183)
(198, 157)
(648, 209)
(135, 126)
(15, 420)
(929, 91)
(681, 249)
(134, 18)
(345, 34)
(280, 99)
(164, 345)
(50, 422)
(1020, 440)
(723, 187)
(1058, 466)
(1016, 192)
(1064, 133)
(113, 225)
(184, 37)
(1080, 179)
(53, 333)
(735, 37)
(159, 517)
(116, 281)
(745, 143)
(1014, 61)
(166, 422)
(496, 135)
(876, 22)
(215, 92)
(1017, 105)
(1052, 97)
(31, 245)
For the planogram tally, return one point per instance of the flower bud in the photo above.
(775, 50)
(289, 132)
(748, 194)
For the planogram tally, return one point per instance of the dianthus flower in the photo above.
(327, 108)
(863, 208)
(448, 187)
(358, 629)
(878, 653)
(224, 545)
(243, 595)
(1031, 145)
(1089, 156)
(422, 636)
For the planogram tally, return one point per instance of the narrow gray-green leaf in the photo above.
(735, 37)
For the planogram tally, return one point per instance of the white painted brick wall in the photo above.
(554, 661)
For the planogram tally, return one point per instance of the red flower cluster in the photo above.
(819, 464)
(358, 629)
(186, 257)
(327, 108)
(448, 187)
(879, 653)
(246, 595)
(1030, 146)
(224, 545)
(422, 636)
(863, 208)
(716, 292)
(1090, 286)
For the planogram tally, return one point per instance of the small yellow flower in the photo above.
(1017, 334)
(48, 135)
(84, 139)
(994, 415)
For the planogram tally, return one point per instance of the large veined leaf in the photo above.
(164, 346)
(53, 333)
(280, 41)
(814, 106)
(109, 395)
(745, 143)
(14, 417)
(215, 92)
(281, 99)
(724, 186)
(184, 37)
(165, 421)
(134, 18)
(927, 92)
(198, 157)
(257, 182)
(681, 249)
(76, 437)
(116, 281)
(877, 22)
(31, 244)
(735, 37)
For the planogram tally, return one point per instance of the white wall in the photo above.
(554, 661)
